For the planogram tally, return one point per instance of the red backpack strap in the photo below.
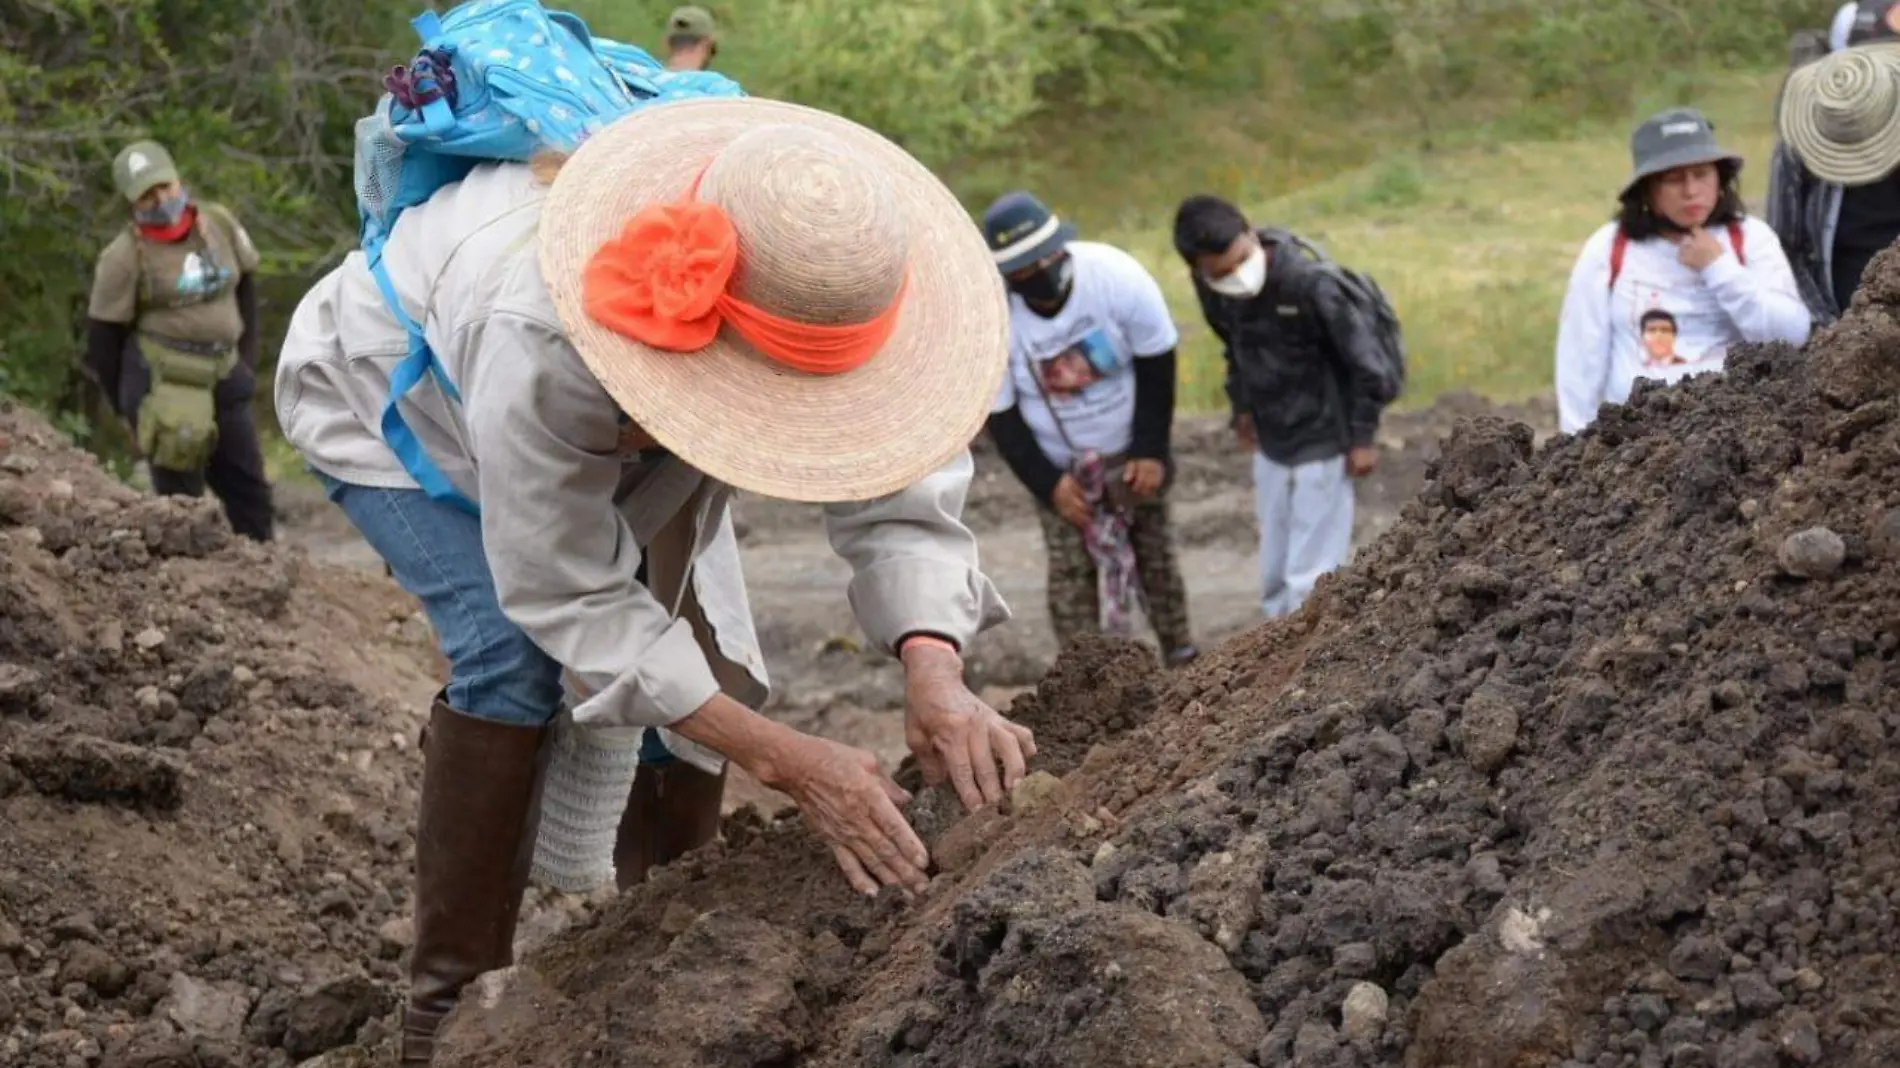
(1736, 239)
(1617, 248)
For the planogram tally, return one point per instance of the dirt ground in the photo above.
(1585, 762)
(170, 900)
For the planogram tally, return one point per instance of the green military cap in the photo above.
(140, 166)
(691, 22)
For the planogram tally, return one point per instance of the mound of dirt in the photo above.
(204, 814)
(1587, 763)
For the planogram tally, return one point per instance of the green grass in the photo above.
(1473, 242)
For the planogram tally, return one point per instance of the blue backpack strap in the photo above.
(420, 361)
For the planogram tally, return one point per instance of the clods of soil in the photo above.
(1586, 763)
(205, 790)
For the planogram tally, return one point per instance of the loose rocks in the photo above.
(167, 870)
(1814, 553)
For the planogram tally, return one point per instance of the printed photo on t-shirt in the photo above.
(1078, 366)
(1659, 338)
(1667, 324)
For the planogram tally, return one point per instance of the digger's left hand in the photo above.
(1144, 477)
(954, 735)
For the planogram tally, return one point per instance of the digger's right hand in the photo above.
(852, 805)
(1070, 502)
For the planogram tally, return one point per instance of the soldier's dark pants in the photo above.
(1075, 590)
(235, 472)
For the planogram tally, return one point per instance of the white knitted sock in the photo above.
(589, 779)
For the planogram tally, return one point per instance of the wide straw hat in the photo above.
(1841, 114)
(834, 224)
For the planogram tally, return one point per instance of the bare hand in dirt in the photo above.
(1070, 502)
(1361, 461)
(850, 803)
(1144, 477)
(1243, 430)
(847, 799)
(1698, 249)
(955, 735)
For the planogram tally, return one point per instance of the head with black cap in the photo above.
(1030, 244)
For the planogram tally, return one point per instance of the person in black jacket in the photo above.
(1089, 396)
(1307, 382)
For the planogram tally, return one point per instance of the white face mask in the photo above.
(1245, 280)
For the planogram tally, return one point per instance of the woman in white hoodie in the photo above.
(1680, 245)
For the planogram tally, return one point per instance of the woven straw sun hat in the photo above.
(1841, 114)
(835, 225)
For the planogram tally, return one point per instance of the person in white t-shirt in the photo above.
(1089, 394)
(1682, 247)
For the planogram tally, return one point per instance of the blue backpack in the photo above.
(494, 80)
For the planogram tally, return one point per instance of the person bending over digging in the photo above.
(1679, 244)
(708, 296)
(1083, 420)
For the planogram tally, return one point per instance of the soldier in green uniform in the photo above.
(172, 338)
(692, 39)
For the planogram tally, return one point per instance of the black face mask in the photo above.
(1047, 289)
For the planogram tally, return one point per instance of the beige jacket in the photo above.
(565, 511)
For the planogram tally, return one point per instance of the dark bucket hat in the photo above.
(1020, 230)
(1678, 137)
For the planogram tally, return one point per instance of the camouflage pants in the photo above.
(1075, 590)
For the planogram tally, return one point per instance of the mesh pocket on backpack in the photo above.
(378, 163)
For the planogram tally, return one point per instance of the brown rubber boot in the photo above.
(673, 809)
(481, 802)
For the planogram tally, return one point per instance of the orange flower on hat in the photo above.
(661, 279)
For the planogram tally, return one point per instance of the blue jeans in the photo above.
(434, 551)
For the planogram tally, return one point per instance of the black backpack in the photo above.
(1364, 293)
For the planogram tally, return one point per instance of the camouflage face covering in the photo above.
(1110, 546)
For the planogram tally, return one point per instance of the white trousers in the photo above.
(1305, 516)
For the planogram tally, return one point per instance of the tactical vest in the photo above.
(186, 308)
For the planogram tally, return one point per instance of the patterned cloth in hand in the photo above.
(1109, 545)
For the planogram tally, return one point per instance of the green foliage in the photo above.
(254, 100)
(1113, 108)
(941, 79)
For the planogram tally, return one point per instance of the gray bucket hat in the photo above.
(1678, 137)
